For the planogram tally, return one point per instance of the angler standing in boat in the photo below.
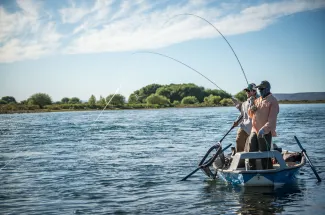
(264, 112)
(245, 123)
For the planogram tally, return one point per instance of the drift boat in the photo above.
(283, 170)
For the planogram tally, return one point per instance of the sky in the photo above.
(79, 48)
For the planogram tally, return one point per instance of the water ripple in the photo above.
(131, 161)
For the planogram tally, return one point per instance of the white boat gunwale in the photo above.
(281, 166)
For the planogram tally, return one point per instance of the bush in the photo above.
(117, 100)
(212, 100)
(74, 100)
(157, 99)
(136, 106)
(189, 100)
(176, 103)
(226, 102)
(33, 107)
(53, 107)
(241, 96)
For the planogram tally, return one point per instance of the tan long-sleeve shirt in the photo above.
(266, 114)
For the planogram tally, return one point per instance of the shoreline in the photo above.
(107, 109)
(134, 108)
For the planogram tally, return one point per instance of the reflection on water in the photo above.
(266, 200)
(256, 200)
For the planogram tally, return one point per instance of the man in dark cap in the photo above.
(264, 112)
(245, 123)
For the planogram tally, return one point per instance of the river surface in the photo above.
(131, 161)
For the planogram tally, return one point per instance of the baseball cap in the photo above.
(250, 87)
(264, 84)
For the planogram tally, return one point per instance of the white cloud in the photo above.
(29, 7)
(46, 43)
(26, 33)
(112, 26)
(73, 14)
(138, 31)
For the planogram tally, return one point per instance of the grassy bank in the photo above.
(19, 108)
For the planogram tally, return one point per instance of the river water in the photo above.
(131, 161)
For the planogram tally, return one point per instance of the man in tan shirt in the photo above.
(264, 114)
(245, 123)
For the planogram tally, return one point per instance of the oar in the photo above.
(222, 150)
(307, 158)
(189, 175)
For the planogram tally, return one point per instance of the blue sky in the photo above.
(79, 48)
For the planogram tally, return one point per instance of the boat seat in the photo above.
(276, 166)
(258, 156)
(290, 164)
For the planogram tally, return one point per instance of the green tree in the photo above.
(216, 92)
(101, 101)
(118, 99)
(133, 99)
(175, 103)
(192, 90)
(40, 99)
(65, 100)
(241, 96)
(92, 100)
(9, 99)
(190, 100)
(176, 92)
(74, 100)
(226, 102)
(212, 100)
(2, 102)
(146, 91)
(164, 91)
(157, 99)
(179, 91)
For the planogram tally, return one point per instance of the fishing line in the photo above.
(116, 91)
(189, 14)
(102, 111)
(156, 53)
(17, 154)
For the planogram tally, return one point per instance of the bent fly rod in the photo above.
(189, 14)
(156, 53)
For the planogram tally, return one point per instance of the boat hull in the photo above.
(260, 177)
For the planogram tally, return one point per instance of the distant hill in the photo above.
(300, 96)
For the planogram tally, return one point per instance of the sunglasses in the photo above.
(250, 90)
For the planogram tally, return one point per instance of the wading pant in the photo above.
(254, 144)
(241, 140)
